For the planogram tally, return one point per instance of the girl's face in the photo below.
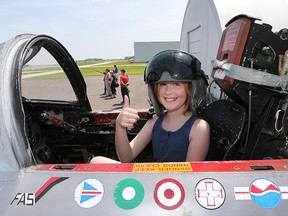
(172, 95)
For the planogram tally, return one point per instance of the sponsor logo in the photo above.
(28, 199)
(24, 199)
(263, 192)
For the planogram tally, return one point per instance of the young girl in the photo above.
(174, 80)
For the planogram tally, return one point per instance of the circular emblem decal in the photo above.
(265, 193)
(169, 194)
(128, 194)
(89, 193)
(209, 193)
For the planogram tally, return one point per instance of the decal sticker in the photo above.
(89, 193)
(242, 193)
(33, 198)
(284, 191)
(265, 193)
(162, 167)
(210, 194)
(128, 194)
(169, 194)
(24, 199)
(47, 186)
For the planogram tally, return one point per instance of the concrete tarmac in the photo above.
(33, 88)
(138, 94)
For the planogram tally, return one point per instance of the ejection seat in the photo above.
(226, 120)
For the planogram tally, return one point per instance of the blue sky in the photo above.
(94, 28)
(109, 28)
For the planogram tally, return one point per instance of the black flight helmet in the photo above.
(176, 66)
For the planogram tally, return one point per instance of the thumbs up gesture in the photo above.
(128, 116)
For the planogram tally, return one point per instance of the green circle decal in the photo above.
(128, 193)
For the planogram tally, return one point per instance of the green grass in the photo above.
(41, 69)
(94, 70)
(130, 67)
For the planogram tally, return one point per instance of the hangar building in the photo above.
(143, 51)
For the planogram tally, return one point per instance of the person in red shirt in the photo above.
(124, 85)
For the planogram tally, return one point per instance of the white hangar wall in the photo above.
(143, 51)
(201, 32)
(200, 35)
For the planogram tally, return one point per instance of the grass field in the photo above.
(95, 70)
(87, 69)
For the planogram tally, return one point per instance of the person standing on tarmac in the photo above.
(108, 79)
(114, 83)
(124, 79)
(115, 70)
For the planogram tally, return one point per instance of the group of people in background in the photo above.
(112, 82)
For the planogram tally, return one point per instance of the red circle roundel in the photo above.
(169, 194)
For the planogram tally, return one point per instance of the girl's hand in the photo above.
(128, 116)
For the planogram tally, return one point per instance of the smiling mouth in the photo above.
(170, 99)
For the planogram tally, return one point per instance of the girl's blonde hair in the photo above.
(188, 90)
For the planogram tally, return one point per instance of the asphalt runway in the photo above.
(138, 94)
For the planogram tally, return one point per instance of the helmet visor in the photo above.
(179, 65)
